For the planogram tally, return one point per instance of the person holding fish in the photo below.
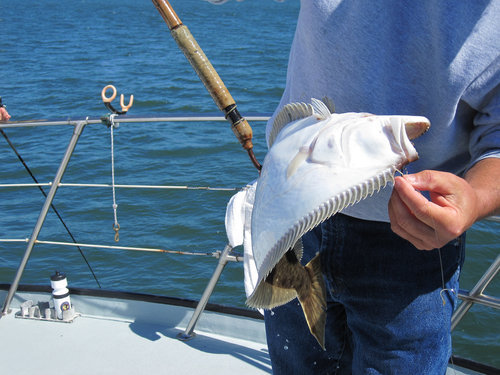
(380, 278)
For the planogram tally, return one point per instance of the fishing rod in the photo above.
(206, 72)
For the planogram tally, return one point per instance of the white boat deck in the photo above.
(114, 335)
(130, 337)
(124, 336)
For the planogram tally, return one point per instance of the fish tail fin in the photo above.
(313, 301)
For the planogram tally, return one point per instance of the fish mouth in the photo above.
(408, 129)
(415, 129)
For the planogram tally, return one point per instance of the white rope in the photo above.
(116, 226)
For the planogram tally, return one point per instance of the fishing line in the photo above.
(444, 289)
(51, 205)
(443, 286)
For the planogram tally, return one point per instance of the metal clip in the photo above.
(116, 228)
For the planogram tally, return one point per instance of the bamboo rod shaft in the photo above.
(200, 63)
(213, 83)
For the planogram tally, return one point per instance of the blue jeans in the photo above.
(387, 312)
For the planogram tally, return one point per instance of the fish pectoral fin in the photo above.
(298, 159)
(313, 301)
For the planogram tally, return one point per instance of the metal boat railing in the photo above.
(469, 298)
(79, 125)
(475, 295)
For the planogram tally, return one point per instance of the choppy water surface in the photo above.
(58, 55)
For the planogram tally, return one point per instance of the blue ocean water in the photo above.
(57, 56)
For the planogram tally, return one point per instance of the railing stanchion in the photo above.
(476, 292)
(188, 333)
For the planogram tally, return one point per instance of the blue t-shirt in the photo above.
(438, 59)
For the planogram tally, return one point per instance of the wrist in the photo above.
(483, 178)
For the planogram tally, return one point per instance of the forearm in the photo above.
(484, 178)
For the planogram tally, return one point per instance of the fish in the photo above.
(319, 162)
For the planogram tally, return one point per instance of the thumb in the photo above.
(433, 181)
(441, 194)
(445, 189)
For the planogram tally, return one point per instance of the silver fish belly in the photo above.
(319, 163)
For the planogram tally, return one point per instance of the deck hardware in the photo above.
(30, 310)
(107, 101)
(116, 228)
(34, 312)
(60, 293)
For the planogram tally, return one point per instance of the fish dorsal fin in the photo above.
(296, 111)
(290, 112)
(321, 109)
(329, 103)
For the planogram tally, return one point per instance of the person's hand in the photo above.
(430, 224)
(4, 115)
